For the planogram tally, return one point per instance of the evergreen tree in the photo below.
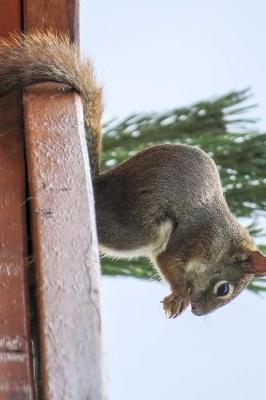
(217, 126)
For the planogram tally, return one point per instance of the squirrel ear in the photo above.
(258, 263)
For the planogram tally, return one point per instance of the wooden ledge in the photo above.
(64, 244)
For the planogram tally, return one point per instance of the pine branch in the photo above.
(219, 127)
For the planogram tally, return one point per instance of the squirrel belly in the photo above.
(150, 250)
(166, 203)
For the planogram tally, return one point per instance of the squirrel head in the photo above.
(213, 286)
(213, 268)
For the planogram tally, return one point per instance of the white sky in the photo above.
(155, 55)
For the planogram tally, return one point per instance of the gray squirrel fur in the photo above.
(166, 203)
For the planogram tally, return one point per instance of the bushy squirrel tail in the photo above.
(40, 57)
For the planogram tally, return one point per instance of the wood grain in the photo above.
(57, 15)
(63, 225)
(65, 245)
(16, 381)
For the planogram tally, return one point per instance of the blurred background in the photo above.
(190, 72)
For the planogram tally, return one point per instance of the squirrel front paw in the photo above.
(175, 304)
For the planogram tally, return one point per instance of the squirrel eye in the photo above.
(223, 289)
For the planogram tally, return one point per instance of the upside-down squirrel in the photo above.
(165, 203)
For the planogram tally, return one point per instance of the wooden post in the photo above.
(63, 227)
(16, 381)
(61, 223)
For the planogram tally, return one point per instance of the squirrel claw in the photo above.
(174, 305)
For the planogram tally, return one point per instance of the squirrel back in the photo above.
(165, 203)
(37, 57)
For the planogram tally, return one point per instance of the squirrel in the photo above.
(165, 203)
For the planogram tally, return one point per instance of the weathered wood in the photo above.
(59, 15)
(65, 245)
(64, 235)
(16, 380)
